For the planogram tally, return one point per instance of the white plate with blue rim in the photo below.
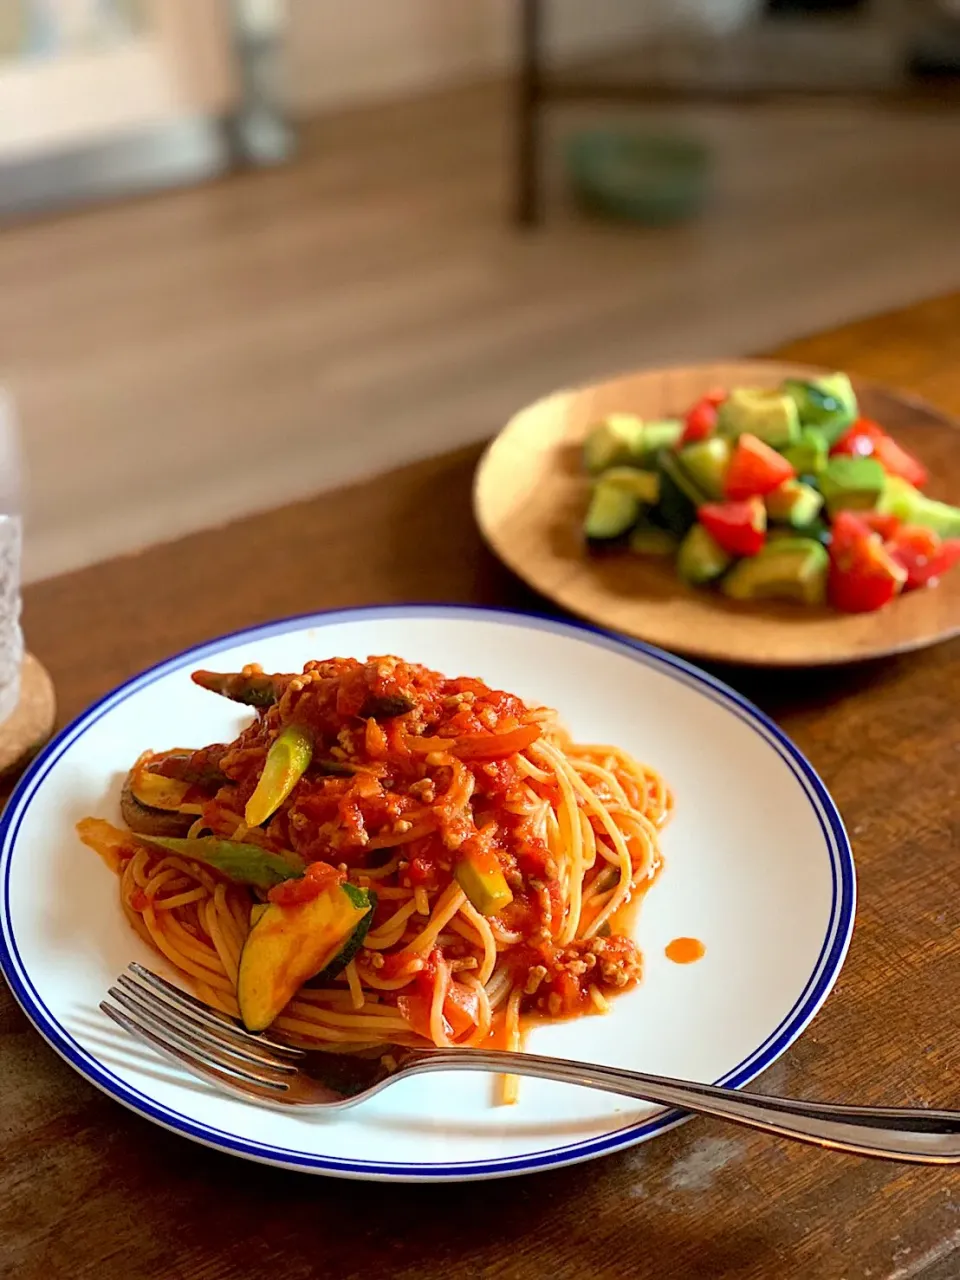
(757, 866)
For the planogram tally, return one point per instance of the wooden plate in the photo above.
(531, 493)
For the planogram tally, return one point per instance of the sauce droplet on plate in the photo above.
(684, 950)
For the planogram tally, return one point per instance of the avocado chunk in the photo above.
(852, 484)
(614, 442)
(701, 558)
(794, 503)
(644, 485)
(810, 454)
(769, 414)
(611, 514)
(649, 540)
(913, 507)
(706, 464)
(786, 569)
(829, 404)
(624, 440)
(679, 495)
(289, 944)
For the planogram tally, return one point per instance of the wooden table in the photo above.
(90, 1190)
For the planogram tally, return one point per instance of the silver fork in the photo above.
(216, 1048)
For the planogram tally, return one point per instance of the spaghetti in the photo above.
(505, 859)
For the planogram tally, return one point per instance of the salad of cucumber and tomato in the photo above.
(783, 493)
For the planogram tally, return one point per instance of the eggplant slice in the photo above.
(146, 821)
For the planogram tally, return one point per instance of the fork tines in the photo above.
(205, 1041)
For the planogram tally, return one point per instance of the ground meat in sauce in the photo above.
(557, 979)
(372, 788)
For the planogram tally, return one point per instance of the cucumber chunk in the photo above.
(612, 513)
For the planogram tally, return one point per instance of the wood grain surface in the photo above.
(365, 305)
(531, 496)
(91, 1192)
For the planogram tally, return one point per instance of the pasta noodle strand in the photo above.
(573, 829)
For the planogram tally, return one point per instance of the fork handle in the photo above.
(910, 1134)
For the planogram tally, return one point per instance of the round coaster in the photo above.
(24, 732)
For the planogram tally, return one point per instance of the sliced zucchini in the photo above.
(353, 944)
(611, 514)
(289, 944)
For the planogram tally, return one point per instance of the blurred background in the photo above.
(253, 250)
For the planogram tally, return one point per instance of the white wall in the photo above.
(347, 52)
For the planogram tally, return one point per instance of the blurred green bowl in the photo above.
(640, 178)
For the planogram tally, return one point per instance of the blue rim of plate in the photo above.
(822, 978)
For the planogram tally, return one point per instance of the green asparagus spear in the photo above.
(252, 691)
(287, 761)
(383, 707)
(196, 768)
(242, 863)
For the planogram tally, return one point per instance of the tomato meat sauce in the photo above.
(411, 775)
